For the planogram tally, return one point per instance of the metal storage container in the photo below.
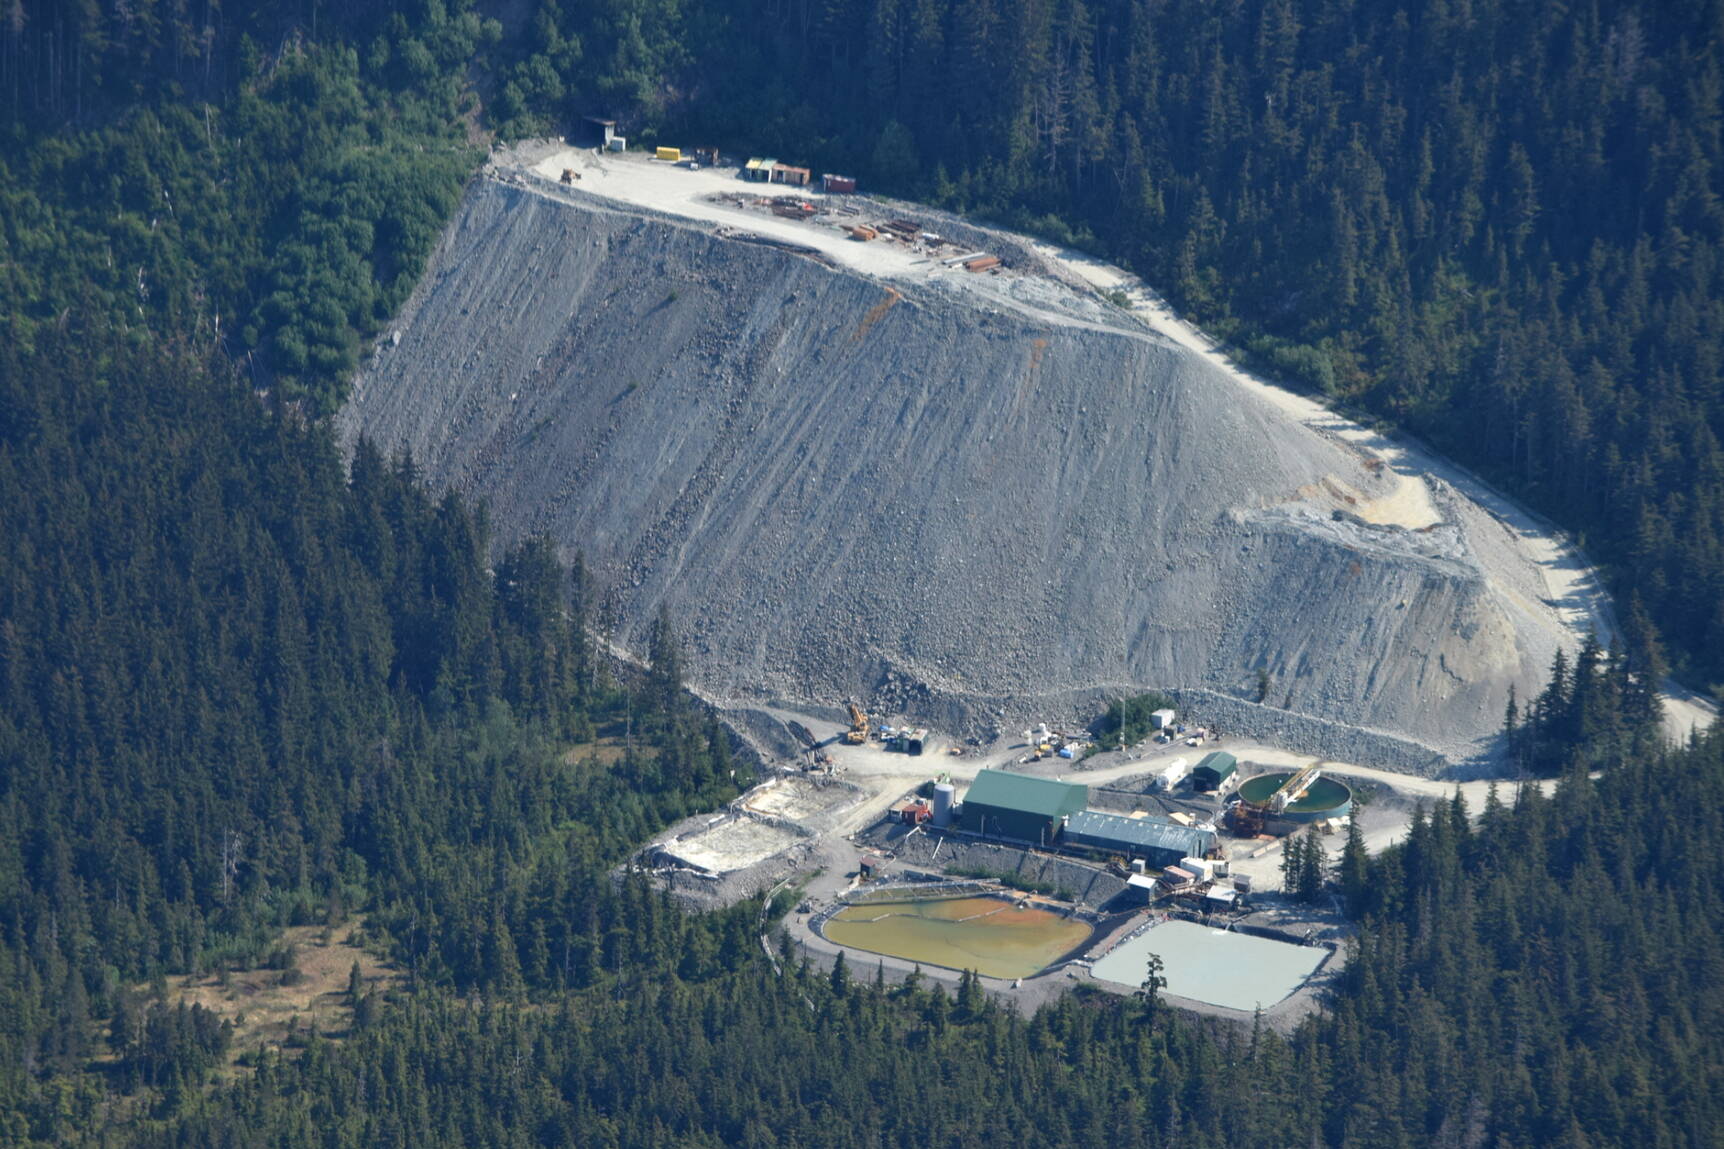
(945, 796)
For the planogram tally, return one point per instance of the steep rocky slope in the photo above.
(906, 493)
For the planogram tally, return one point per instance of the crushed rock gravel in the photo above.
(905, 493)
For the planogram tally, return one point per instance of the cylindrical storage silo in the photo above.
(945, 795)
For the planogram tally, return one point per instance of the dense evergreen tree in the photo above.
(1304, 865)
(1603, 709)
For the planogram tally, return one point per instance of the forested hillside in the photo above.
(278, 222)
(243, 686)
(238, 693)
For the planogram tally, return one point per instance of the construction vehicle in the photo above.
(858, 732)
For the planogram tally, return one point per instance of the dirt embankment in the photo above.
(1087, 886)
(845, 488)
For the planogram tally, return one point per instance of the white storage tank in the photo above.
(1169, 776)
(945, 797)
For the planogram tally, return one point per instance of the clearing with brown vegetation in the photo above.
(278, 1008)
(609, 748)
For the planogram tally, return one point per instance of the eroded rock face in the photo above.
(842, 487)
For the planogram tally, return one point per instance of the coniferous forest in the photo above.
(247, 685)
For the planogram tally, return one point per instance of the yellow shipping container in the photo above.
(674, 155)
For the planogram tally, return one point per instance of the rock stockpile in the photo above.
(842, 486)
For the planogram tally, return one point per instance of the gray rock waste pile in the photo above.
(842, 487)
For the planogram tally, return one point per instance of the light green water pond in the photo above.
(988, 935)
(1222, 968)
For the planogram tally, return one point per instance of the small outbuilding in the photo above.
(595, 132)
(1020, 808)
(1217, 771)
(912, 813)
(1162, 719)
(791, 174)
(1139, 888)
(1220, 898)
(838, 185)
(907, 741)
(758, 170)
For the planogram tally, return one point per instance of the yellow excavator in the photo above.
(858, 732)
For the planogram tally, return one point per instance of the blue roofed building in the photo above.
(1158, 842)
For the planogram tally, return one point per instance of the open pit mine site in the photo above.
(935, 469)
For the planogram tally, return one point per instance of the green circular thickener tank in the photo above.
(1326, 798)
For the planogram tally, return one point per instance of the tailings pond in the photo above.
(987, 934)
(1220, 967)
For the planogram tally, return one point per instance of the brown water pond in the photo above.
(987, 934)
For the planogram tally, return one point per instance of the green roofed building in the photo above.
(1215, 772)
(1001, 805)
